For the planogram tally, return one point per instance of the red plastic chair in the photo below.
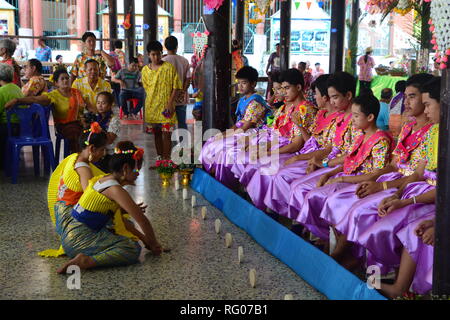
(135, 102)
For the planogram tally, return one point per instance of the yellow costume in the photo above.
(159, 85)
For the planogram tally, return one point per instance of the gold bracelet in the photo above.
(414, 200)
(385, 187)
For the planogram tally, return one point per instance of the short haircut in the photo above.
(342, 82)
(133, 60)
(171, 43)
(276, 77)
(154, 46)
(88, 34)
(303, 64)
(277, 45)
(97, 139)
(118, 44)
(321, 84)
(417, 80)
(9, 45)
(37, 64)
(6, 72)
(400, 86)
(386, 94)
(317, 64)
(293, 76)
(58, 56)
(118, 160)
(108, 95)
(58, 74)
(42, 39)
(248, 73)
(92, 61)
(369, 104)
(433, 88)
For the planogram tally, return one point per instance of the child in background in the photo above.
(130, 80)
(383, 116)
(397, 106)
(197, 111)
(110, 123)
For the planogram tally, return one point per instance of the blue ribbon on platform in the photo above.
(311, 264)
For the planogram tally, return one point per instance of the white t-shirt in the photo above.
(182, 66)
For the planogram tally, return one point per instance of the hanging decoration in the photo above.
(440, 27)
(261, 8)
(213, 4)
(200, 40)
(402, 7)
(127, 22)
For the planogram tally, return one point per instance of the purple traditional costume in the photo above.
(364, 158)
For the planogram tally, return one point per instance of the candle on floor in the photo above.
(204, 211)
(240, 254)
(193, 201)
(289, 297)
(185, 194)
(252, 277)
(217, 225)
(177, 184)
(228, 240)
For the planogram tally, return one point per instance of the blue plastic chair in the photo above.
(30, 117)
(60, 138)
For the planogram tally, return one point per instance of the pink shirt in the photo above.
(182, 66)
(365, 68)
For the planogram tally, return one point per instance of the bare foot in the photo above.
(390, 291)
(81, 260)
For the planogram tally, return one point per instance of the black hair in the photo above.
(433, 88)
(247, 73)
(302, 64)
(92, 61)
(342, 82)
(400, 86)
(276, 77)
(293, 76)
(317, 64)
(277, 45)
(154, 46)
(171, 43)
(88, 34)
(58, 56)
(98, 140)
(133, 60)
(58, 72)
(118, 160)
(369, 104)
(118, 44)
(321, 84)
(37, 64)
(109, 96)
(386, 94)
(418, 80)
(365, 90)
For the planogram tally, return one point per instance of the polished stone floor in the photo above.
(198, 267)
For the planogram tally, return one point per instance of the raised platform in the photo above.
(311, 264)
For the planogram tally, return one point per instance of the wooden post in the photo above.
(240, 22)
(217, 76)
(441, 266)
(285, 34)
(112, 6)
(130, 34)
(337, 35)
(150, 19)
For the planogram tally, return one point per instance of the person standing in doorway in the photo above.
(366, 64)
(182, 66)
(273, 68)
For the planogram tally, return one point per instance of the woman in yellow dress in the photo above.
(161, 84)
(84, 231)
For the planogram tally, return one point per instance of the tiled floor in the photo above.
(198, 267)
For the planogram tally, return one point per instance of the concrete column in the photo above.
(177, 16)
(25, 14)
(82, 17)
(37, 21)
(92, 15)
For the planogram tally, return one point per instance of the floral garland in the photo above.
(261, 8)
(440, 28)
(379, 6)
(200, 43)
